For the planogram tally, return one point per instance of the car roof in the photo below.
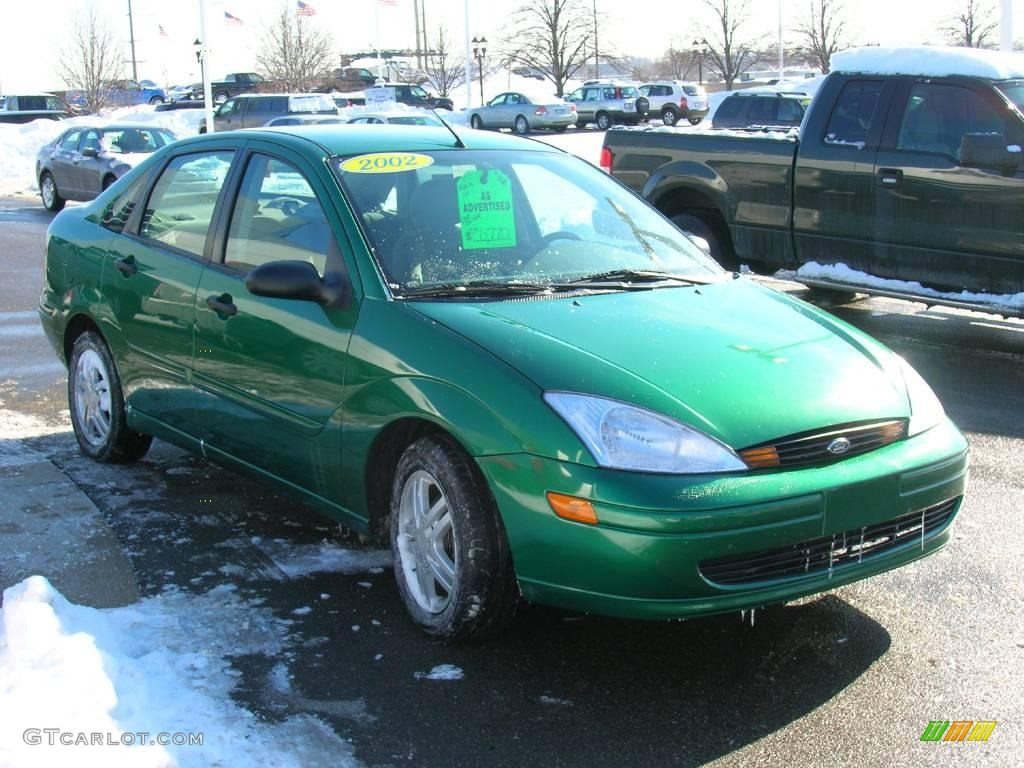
(771, 94)
(275, 95)
(363, 139)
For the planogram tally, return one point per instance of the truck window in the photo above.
(937, 116)
(762, 110)
(790, 111)
(854, 113)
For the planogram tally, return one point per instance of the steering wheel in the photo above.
(288, 205)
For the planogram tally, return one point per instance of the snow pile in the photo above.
(19, 144)
(842, 273)
(157, 667)
(441, 672)
(930, 61)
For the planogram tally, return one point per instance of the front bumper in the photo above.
(643, 558)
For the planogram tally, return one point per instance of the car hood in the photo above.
(741, 362)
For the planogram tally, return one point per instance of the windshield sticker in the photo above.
(386, 162)
(486, 215)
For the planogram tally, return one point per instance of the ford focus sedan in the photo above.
(497, 359)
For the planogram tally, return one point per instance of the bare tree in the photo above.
(823, 31)
(553, 37)
(295, 53)
(677, 63)
(972, 26)
(91, 60)
(730, 52)
(445, 71)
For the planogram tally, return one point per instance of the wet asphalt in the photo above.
(850, 678)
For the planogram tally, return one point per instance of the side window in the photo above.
(731, 107)
(591, 94)
(853, 114)
(228, 108)
(119, 210)
(937, 117)
(608, 93)
(762, 110)
(181, 206)
(497, 101)
(790, 111)
(277, 216)
(70, 142)
(91, 140)
(648, 90)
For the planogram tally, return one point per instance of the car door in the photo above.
(151, 278)
(63, 164)
(229, 115)
(272, 370)
(496, 114)
(90, 169)
(938, 220)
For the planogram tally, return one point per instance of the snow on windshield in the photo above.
(930, 61)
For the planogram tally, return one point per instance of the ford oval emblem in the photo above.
(839, 446)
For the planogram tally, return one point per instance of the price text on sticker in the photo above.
(386, 162)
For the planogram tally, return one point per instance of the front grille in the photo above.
(808, 449)
(823, 554)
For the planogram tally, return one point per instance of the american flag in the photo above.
(232, 20)
(306, 10)
(163, 32)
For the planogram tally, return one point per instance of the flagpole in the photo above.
(782, 55)
(376, 32)
(1006, 26)
(469, 75)
(204, 66)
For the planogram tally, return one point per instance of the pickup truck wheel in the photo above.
(522, 125)
(604, 121)
(156, 100)
(476, 122)
(695, 120)
(220, 97)
(451, 556)
(669, 116)
(700, 225)
(48, 191)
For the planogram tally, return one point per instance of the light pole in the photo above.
(479, 51)
(197, 45)
(700, 50)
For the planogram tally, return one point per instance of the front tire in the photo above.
(451, 556)
(476, 122)
(156, 100)
(604, 121)
(52, 200)
(220, 97)
(522, 126)
(669, 117)
(97, 405)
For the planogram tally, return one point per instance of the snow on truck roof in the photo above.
(930, 61)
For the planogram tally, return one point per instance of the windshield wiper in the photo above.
(474, 288)
(643, 276)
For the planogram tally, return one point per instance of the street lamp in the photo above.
(700, 50)
(479, 51)
(197, 45)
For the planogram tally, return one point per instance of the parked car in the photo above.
(253, 111)
(28, 107)
(414, 96)
(277, 122)
(473, 352)
(128, 93)
(674, 101)
(418, 117)
(522, 114)
(532, 72)
(185, 92)
(85, 160)
(607, 103)
(899, 172)
(349, 79)
(758, 111)
(233, 84)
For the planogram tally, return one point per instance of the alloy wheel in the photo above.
(426, 542)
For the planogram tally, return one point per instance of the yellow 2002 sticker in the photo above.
(386, 162)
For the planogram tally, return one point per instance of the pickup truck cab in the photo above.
(233, 84)
(908, 166)
(26, 108)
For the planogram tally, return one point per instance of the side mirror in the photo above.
(988, 150)
(91, 152)
(297, 280)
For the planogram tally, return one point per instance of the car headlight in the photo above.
(925, 409)
(622, 436)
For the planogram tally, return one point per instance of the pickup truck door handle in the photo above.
(126, 266)
(222, 305)
(890, 177)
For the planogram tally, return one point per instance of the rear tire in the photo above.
(522, 125)
(97, 405)
(669, 116)
(220, 97)
(451, 557)
(560, 128)
(604, 121)
(156, 100)
(52, 200)
(707, 226)
(695, 120)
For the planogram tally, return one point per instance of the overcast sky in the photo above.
(35, 31)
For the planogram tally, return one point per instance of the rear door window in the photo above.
(731, 107)
(762, 110)
(854, 113)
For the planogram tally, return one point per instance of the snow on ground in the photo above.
(930, 61)
(19, 144)
(585, 143)
(843, 273)
(295, 560)
(160, 666)
(441, 672)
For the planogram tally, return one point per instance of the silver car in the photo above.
(420, 117)
(85, 160)
(522, 114)
(608, 103)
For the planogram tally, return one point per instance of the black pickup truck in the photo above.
(233, 84)
(911, 177)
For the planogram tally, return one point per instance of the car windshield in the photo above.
(131, 141)
(508, 219)
(1014, 92)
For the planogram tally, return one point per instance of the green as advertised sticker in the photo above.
(485, 210)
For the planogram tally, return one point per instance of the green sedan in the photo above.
(496, 357)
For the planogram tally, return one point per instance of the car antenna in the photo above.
(458, 139)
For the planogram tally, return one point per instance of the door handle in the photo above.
(890, 177)
(222, 305)
(126, 266)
